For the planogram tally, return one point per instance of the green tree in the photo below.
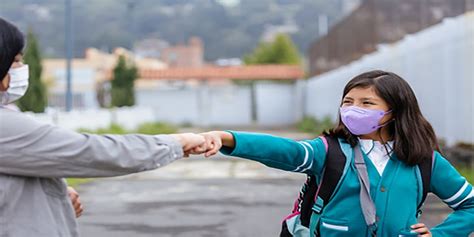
(124, 76)
(35, 99)
(280, 51)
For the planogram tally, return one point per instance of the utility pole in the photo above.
(323, 25)
(131, 17)
(69, 44)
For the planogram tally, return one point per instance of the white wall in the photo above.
(229, 105)
(278, 104)
(172, 105)
(129, 118)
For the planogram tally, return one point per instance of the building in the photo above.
(180, 55)
(88, 74)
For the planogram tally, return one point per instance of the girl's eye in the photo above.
(346, 102)
(368, 103)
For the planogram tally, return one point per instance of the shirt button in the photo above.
(382, 189)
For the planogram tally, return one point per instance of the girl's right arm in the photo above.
(276, 152)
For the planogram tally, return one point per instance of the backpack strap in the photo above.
(425, 167)
(366, 202)
(334, 168)
(307, 200)
(332, 173)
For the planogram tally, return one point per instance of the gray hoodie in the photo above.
(34, 157)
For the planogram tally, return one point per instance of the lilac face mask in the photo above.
(362, 121)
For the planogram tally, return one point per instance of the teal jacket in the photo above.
(396, 193)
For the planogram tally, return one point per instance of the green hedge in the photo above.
(145, 128)
(315, 126)
(468, 173)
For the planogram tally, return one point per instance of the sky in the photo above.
(229, 3)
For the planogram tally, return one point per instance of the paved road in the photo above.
(190, 198)
(199, 198)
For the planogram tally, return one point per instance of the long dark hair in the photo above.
(414, 138)
(12, 43)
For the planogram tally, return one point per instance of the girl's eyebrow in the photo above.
(369, 98)
(363, 98)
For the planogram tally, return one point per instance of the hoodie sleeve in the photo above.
(280, 153)
(458, 194)
(30, 148)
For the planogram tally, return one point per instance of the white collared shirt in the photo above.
(377, 153)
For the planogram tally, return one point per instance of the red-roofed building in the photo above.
(252, 72)
(180, 55)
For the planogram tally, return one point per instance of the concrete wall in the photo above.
(227, 106)
(129, 118)
(230, 105)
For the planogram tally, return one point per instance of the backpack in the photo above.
(331, 175)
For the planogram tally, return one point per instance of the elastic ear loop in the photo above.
(380, 136)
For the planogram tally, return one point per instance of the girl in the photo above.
(34, 157)
(381, 121)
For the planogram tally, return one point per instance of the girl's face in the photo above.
(18, 62)
(366, 98)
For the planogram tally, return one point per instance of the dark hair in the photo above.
(414, 138)
(12, 43)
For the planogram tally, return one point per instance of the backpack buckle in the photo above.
(318, 205)
(373, 230)
(418, 213)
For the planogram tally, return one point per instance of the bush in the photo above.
(186, 124)
(112, 129)
(468, 173)
(315, 126)
(74, 182)
(145, 128)
(156, 128)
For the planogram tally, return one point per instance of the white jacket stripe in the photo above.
(464, 199)
(461, 190)
(305, 157)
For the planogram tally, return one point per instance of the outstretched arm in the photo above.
(276, 152)
(30, 148)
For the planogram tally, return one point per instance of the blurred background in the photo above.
(276, 66)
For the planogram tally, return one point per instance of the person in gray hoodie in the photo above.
(36, 157)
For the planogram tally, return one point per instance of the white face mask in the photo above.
(17, 86)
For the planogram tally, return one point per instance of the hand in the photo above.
(421, 229)
(189, 141)
(76, 202)
(213, 143)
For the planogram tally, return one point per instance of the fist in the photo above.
(76, 202)
(189, 141)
